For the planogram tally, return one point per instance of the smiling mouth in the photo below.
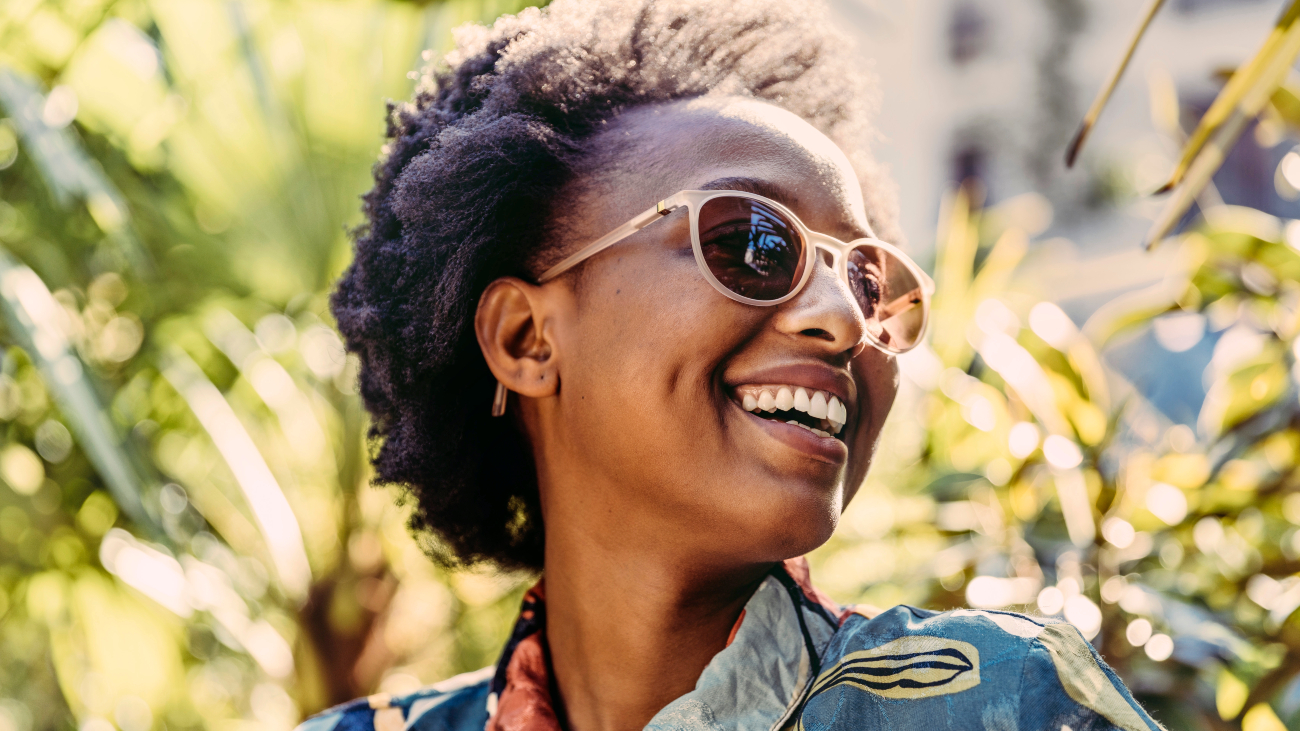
(817, 411)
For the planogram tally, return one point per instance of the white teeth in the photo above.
(836, 412)
(784, 399)
(817, 406)
(801, 399)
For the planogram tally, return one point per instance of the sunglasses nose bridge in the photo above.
(832, 253)
(826, 250)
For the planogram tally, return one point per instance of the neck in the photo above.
(631, 631)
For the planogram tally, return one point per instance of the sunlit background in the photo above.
(187, 535)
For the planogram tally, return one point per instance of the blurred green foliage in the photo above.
(1025, 473)
(1021, 472)
(186, 539)
(186, 536)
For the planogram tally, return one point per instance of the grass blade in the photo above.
(1103, 96)
(1253, 82)
(1268, 74)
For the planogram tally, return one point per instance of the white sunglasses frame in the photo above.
(694, 200)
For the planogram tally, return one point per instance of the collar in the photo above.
(757, 683)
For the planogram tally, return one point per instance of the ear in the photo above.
(518, 349)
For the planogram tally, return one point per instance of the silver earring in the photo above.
(499, 401)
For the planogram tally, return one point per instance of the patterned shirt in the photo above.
(796, 660)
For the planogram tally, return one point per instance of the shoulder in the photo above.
(455, 704)
(978, 669)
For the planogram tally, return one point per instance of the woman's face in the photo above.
(645, 436)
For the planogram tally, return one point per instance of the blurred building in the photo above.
(993, 90)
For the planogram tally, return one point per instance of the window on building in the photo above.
(970, 166)
(967, 33)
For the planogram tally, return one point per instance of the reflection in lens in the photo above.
(750, 247)
(890, 295)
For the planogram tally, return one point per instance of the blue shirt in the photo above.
(797, 661)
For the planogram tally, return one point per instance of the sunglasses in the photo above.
(756, 251)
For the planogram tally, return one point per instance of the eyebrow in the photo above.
(768, 189)
(757, 186)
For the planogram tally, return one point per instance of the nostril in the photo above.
(816, 332)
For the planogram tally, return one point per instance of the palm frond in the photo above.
(266, 499)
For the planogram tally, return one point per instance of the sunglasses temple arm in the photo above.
(661, 209)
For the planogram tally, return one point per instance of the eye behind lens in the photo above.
(890, 295)
(750, 247)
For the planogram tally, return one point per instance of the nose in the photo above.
(824, 312)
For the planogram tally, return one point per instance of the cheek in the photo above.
(641, 384)
(885, 379)
(650, 333)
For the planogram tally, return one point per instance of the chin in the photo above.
(793, 525)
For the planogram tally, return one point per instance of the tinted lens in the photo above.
(891, 297)
(752, 248)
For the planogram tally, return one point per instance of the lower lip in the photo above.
(826, 449)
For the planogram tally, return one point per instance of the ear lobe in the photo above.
(508, 325)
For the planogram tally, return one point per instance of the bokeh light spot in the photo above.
(1167, 503)
(1061, 452)
(1160, 647)
(1022, 440)
(1138, 632)
(21, 469)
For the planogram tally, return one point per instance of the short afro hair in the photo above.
(463, 195)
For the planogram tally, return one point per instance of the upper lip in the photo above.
(818, 376)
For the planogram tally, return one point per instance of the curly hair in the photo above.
(463, 195)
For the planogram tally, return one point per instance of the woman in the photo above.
(624, 319)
